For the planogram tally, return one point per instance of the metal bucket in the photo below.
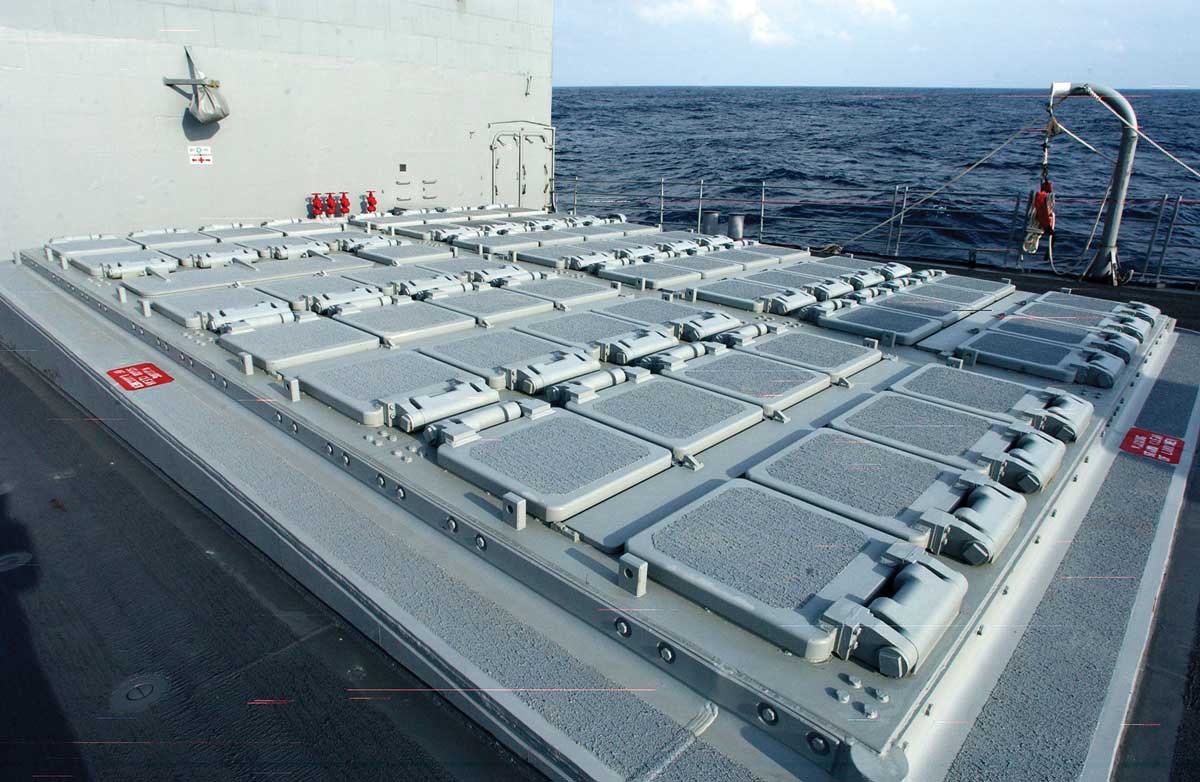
(737, 226)
(709, 222)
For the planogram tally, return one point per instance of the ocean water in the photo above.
(834, 158)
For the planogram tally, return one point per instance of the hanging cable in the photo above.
(1078, 260)
(1142, 135)
(959, 176)
(1072, 135)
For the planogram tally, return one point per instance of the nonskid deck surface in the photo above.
(682, 437)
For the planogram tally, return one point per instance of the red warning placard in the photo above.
(138, 376)
(1153, 445)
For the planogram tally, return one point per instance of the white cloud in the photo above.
(1113, 46)
(877, 9)
(751, 14)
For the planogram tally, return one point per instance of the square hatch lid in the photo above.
(744, 294)
(773, 385)
(238, 232)
(565, 292)
(1135, 308)
(708, 266)
(426, 230)
(998, 288)
(617, 247)
(495, 305)
(494, 354)
(124, 263)
(311, 338)
(1013, 454)
(519, 241)
(966, 298)
(1044, 359)
(212, 254)
(745, 257)
(777, 566)
(406, 321)
(215, 308)
(461, 266)
(832, 356)
(398, 255)
(364, 385)
(307, 227)
(603, 230)
(555, 257)
(638, 229)
(188, 280)
(686, 322)
(651, 275)
(790, 278)
(784, 254)
(1118, 322)
(506, 244)
(78, 246)
(1063, 332)
(1051, 410)
(304, 293)
(587, 330)
(285, 246)
(902, 328)
(170, 237)
(561, 463)
(948, 511)
(386, 277)
(680, 416)
(911, 301)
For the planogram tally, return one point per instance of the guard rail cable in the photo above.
(1013, 137)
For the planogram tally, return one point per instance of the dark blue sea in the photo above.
(835, 159)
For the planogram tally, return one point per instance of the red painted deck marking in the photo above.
(138, 376)
(1153, 445)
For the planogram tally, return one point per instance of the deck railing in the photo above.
(1160, 234)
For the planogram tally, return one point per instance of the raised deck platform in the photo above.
(598, 625)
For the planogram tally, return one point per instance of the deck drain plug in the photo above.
(138, 693)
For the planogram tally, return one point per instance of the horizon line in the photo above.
(1153, 88)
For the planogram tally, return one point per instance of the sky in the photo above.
(903, 43)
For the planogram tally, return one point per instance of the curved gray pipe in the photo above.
(1104, 264)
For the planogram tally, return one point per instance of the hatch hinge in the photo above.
(582, 389)
(673, 358)
(977, 528)
(1056, 412)
(630, 347)
(554, 368)
(435, 287)
(706, 324)
(457, 397)
(895, 632)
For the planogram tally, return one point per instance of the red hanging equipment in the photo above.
(1043, 207)
(344, 204)
(371, 202)
(330, 204)
(318, 208)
